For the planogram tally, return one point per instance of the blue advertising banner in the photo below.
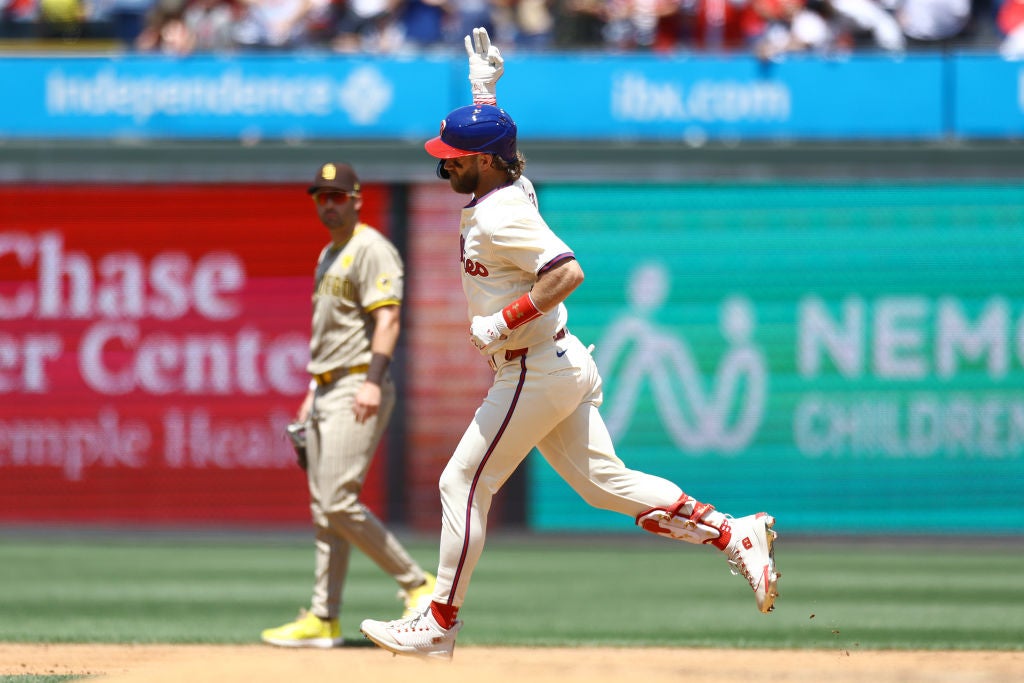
(232, 98)
(738, 98)
(989, 100)
(571, 97)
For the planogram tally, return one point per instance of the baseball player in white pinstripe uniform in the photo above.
(516, 274)
(356, 301)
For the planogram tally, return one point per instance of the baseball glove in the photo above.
(297, 435)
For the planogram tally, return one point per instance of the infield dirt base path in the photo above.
(361, 662)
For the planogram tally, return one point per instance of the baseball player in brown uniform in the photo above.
(517, 274)
(356, 300)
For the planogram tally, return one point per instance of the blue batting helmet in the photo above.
(476, 129)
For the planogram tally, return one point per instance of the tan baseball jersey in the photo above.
(351, 281)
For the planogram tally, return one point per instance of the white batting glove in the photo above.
(485, 67)
(488, 332)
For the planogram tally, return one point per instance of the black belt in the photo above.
(512, 354)
(325, 378)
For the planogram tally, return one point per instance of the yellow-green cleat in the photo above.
(308, 630)
(418, 599)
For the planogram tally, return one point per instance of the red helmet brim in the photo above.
(439, 149)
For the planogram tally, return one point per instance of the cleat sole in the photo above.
(772, 588)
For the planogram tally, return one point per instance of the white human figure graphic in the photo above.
(696, 419)
(742, 370)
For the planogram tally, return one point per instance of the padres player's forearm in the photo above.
(368, 398)
(387, 326)
(555, 285)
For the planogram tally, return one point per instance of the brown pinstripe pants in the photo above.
(340, 451)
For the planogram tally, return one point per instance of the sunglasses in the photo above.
(335, 196)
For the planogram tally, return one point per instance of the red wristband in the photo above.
(520, 312)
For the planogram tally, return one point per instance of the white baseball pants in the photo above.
(546, 398)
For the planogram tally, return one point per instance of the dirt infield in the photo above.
(360, 662)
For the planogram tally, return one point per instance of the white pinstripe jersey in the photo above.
(505, 245)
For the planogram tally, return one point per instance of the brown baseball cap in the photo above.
(335, 176)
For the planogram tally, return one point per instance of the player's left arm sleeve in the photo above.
(381, 278)
(527, 242)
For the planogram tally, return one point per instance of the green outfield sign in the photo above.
(849, 357)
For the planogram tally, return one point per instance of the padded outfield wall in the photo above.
(832, 330)
(850, 355)
(153, 348)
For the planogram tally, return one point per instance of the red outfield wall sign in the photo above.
(153, 341)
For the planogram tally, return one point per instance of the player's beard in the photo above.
(466, 180)
(332, 218)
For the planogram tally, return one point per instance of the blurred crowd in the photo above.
(769, 28)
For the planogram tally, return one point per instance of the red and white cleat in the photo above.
(419, 636)
(751, 554)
